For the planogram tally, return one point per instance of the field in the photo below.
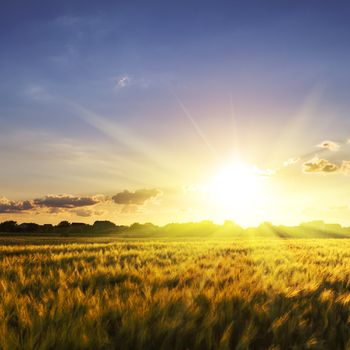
(153, 294)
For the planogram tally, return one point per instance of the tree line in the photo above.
(206, 228)
(11, 226)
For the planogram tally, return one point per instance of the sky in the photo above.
(174, 111)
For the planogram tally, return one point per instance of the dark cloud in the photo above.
(65, 201)
(53, 204)
(138, 197)
(7, 206)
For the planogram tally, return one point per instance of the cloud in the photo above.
(139, 197)
(130, 209)
(7, 206)
(330, 145)
(317, 165)
(55, 211)
(123, 81)
(291, 161)
(53, 204)
(65, 201)
(87, 212)
(265, 172)
(345, 167)
(83, 212)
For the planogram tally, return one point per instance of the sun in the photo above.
(236, 185)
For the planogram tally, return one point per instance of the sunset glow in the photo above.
(235, 185)
(106, 117)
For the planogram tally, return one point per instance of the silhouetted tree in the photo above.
(64, 224)
(47, 228)
(8, 226)
(79, 227)
(28, 227)
(63, 228)
(106, 225)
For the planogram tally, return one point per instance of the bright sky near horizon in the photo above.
(167, 111)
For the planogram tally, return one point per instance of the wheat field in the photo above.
(243, 294)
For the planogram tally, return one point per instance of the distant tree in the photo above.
(79, 227)
(103, 226)
(135, 226)
(47, 228)
(333, 227)
(28, 227)
(63, 228)
(8, 226)
(230, 229)
(63, 224)
(147, 228)
(315, 224)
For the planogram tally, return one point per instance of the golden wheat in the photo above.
(247, 294)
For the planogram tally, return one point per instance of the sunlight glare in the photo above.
(236, 185)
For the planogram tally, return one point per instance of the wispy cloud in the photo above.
(345, 167)
(291, 161)
(123, 81)
(329, 145)
(265, 172)
(85, 213)
(130, 209)
(324, 146)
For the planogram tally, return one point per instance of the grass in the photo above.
(144, 294)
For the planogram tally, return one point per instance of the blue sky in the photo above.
(88, 87)
(261, 50)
